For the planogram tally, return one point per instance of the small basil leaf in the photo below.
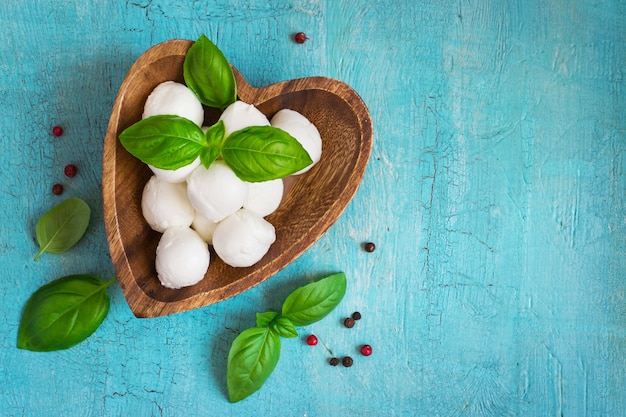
(314, 301)
(209, 75)
(252, 358)
(214, 137)
(62, 226)
(164, 141)
(264, 153)
(264, 319)
(63, 313)
(283, 327)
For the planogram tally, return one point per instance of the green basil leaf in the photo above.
(62, 226)
(264, 319)
(252, 358)
(164, 141)
(314, 301)
(63, 313)
(264, 153)
(209, 75)
(283, 327)
(214, 138)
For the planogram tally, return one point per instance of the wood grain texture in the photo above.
(494, 194)
(312, 202)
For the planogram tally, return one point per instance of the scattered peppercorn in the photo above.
(369, 247)
(347, 361)
(349, 322)
(57, 131)
(311, 340)
(57, 189)
(366, 350)
(300, 37)
(356, 315)
(334, 361)
(70, 170)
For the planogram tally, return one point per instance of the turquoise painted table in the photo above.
(495, 195)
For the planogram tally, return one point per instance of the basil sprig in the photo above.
(255, 352)
(62, 226)
(209, 75)
(63, 313)
(257, 153)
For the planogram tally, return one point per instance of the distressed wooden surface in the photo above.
(495, 196)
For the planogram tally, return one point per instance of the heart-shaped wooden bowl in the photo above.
(312, 203)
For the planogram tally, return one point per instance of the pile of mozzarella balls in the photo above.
(195, 207)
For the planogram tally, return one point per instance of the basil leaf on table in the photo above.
(63, 313)
(264, 153)
(164, 141)
(264, 319)
(209, 75)
(314, 301)
(62, 226)
(283, 327)
(252, 358)
(255, 352)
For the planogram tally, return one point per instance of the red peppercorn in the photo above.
(57, 131)
(57, 189)
(311, 340)
(300, 37)
(366, 350)
(70, 170)
(349, 322)
(369, 247)
(347, 361)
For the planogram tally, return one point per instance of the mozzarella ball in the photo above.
(264, 197)
(240, 115)
(175, 175)
(243, 238)
(182, 258)
(216, 192)
(165, 204)
(204, 227)
(303, 131)
(174, 98)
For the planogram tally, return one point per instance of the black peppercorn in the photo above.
(369, 247)
(356, 315)
(349, 322)
(347, 361)
(334, 361)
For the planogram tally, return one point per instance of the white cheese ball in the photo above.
(240, 115)
(165, 204)
(264, 197)
(216, 192)
(243, 238)
(182, 258)
(174, 98)
(175, 175)
(303, 131)
(204, 227)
